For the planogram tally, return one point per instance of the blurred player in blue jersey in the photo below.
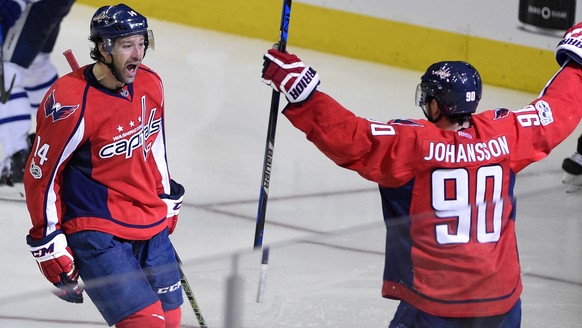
(29, 30)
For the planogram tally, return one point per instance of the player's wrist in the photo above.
(47, 247)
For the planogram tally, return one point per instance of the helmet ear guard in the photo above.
(455, 85)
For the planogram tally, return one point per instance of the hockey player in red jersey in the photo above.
(98, 187)
(446, 183)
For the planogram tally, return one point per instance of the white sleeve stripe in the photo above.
(51, 208)
(159, 152)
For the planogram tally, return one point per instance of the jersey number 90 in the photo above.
(451, 199)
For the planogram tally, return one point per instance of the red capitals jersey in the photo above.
(447, 196)
(99, 158)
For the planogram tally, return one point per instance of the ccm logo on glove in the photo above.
(40, 252)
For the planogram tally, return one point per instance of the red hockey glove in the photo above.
(287, 74)
(571, 45)
(10, 11)
(174, 202)
(56, 262)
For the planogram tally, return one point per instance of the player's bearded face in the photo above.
(127, 54)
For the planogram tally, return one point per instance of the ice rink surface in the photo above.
(324, 223)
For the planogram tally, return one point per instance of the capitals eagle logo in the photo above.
(56, 110)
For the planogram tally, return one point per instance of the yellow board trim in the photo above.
(358, 36)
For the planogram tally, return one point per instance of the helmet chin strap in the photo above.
(436, 119)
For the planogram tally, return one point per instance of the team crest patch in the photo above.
(443, 73)
(501, 113)
(56, 110)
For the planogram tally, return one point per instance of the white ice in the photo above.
(324, 223)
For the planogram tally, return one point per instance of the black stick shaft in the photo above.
(272, 126)
(268, 159)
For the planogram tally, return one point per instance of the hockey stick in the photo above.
(268, 158)
(71, 59)
(183, 280)
(4, 94)
(190, 294)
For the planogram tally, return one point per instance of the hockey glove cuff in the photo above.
(173, 202)
(287, 74)
(55, 261)
(571, 46)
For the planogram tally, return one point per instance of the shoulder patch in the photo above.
(56, 110)
(501, 113)
(544, 112)
(405, 122)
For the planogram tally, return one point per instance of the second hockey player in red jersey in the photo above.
(446, 183)
(98, 187)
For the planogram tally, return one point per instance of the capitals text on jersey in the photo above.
(127, 146)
